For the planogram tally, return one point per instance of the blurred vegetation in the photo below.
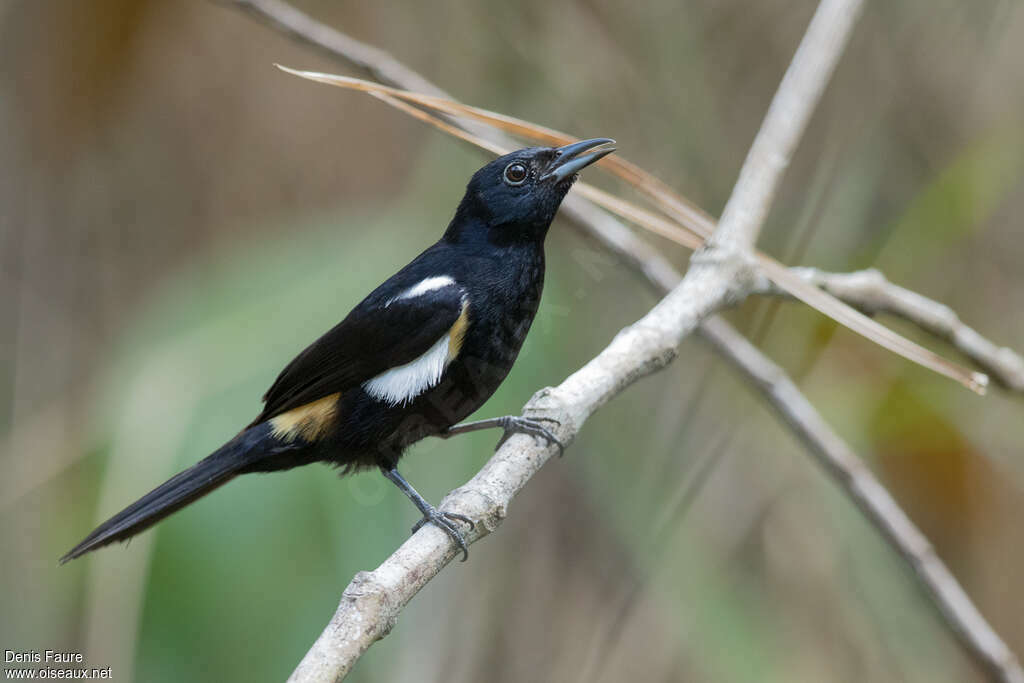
(180, 218)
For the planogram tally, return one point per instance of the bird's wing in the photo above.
(371, 340)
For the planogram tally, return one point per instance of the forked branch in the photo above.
(870, 291)
(723, 273)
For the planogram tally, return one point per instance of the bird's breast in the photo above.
(501, 311)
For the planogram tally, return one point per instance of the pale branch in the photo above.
(881, 509)
(373, 61)
(870, 291)
(371, 603)
(1006, 365)
(376, 62)
(783, 126)
(716, 277)
(837, 458)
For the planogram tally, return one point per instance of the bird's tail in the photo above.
(175, 493)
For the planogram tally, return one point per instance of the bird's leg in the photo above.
(430, 513)
(512, 424)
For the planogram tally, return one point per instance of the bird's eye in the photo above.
(515, 173)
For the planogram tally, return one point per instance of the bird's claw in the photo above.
(444, 520)
(515, 424)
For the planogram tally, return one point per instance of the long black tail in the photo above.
(177, 492)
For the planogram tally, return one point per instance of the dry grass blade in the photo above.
(632, 174)
(853, 319)
(684, 212)
(686, 225)
(441, 124)
(640, 216)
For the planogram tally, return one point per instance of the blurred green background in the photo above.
(179, 218)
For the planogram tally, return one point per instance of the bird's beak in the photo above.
(568, 161)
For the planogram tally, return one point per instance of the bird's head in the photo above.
(514, 198)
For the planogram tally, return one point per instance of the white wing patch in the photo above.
(424, 286)
(405, 382)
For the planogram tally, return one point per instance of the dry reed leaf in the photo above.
(853, 319)
(640, 216)
(683, 211)
(689, 225)
(616, 205)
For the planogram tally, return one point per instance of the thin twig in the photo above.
(784, 124)
(872, 498)
(371, 603)
(717, 276)
(757, 181)
(871, 292)
(836, 457)
(376, 62)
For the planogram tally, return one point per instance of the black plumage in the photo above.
(423, 351)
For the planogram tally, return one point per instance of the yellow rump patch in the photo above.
(308, 421)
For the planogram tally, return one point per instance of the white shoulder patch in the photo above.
(405, 382)
(423, 286)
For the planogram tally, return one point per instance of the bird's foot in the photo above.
(446, 520)
(515, 424)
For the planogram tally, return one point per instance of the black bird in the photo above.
(420, 353)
